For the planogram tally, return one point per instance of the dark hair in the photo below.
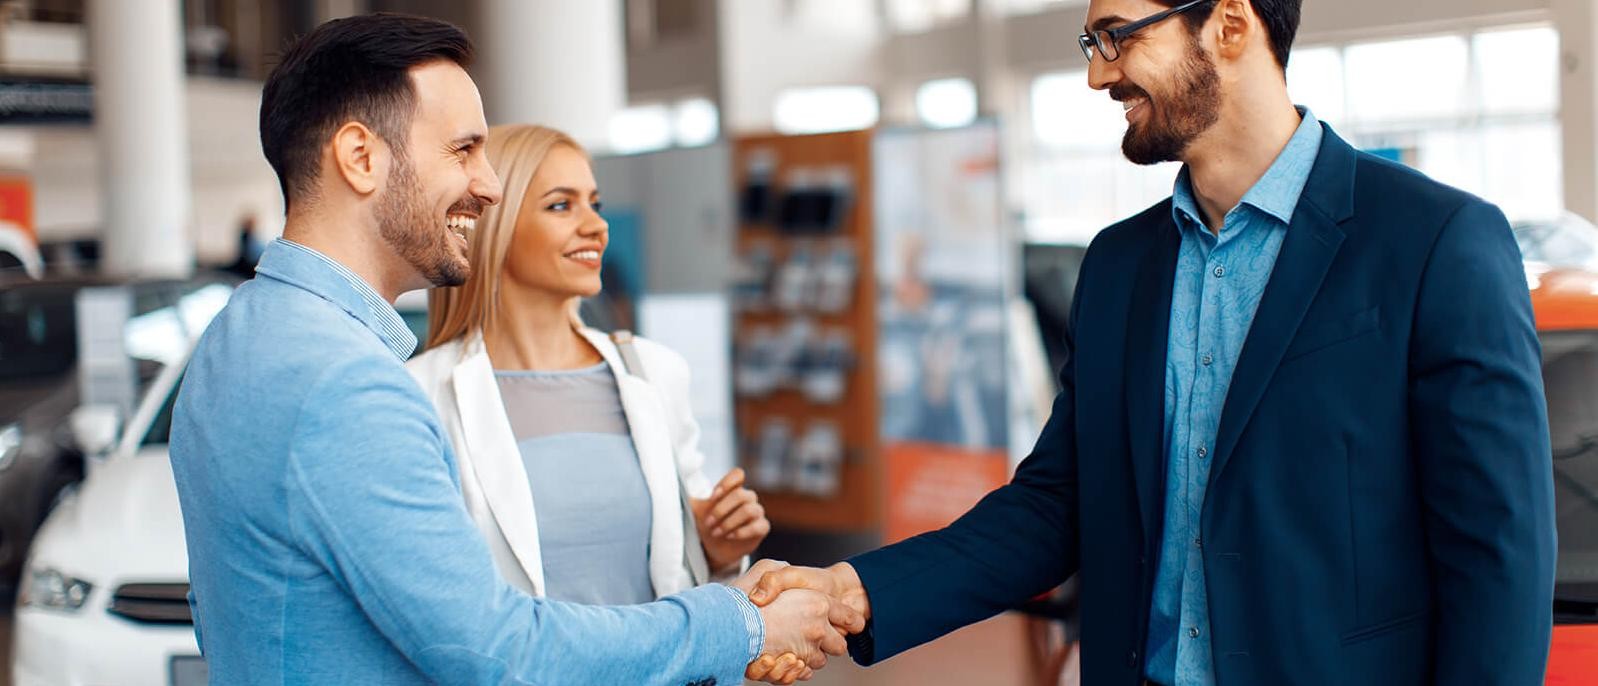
(353, 69)
(1280, 17)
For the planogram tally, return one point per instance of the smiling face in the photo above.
(560, 237)
(1164, 79)
(440, 180)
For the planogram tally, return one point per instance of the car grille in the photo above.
(153, 603)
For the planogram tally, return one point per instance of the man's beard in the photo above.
(419, 238)
(1168, 130)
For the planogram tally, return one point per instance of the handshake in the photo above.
(807, 613)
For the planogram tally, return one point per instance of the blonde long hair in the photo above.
(515, 151)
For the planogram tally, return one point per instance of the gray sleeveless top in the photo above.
(592, 503)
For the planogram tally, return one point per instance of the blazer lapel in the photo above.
(1312, 242)
(497, 460)
(1148, 333)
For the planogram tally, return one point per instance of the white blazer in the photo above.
(459, 379)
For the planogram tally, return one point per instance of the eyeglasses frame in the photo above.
(1094, 40)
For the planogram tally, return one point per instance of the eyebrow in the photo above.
(467, 141)
(1107, 22)
(564, 190)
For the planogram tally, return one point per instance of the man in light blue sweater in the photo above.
(328, 541)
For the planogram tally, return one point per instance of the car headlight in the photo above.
(10, 445)
(51, 589)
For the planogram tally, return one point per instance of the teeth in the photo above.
(585, 255)
(460, 224)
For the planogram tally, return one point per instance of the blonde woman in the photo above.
(576, 454)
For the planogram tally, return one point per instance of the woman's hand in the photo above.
(731, 522)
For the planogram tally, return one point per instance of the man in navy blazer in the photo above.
(1302, 436)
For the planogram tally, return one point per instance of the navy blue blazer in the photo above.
(1380, 510)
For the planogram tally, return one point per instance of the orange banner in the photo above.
(1573, 660)
(931, 485)
(16, 203)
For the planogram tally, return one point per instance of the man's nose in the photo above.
(1102, 73)
(485, 185)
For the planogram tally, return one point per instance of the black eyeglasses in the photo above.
(1107, 42)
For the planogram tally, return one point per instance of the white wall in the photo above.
(229, 172)
(771, 45)
(688, 215)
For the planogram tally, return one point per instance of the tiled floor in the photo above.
(993, 653)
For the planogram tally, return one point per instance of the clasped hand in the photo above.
(807, 613)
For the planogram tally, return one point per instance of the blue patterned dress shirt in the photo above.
(1219, 280)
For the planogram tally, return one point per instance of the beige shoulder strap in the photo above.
(697, 567)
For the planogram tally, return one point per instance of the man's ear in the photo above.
(1236, 25)
(360, 157)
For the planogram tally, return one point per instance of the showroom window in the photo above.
(695, 122)
(1475, 109)
(1073, 179)
(1485, 116)
(641, 128)
(649, 127)
(825, 109)
(946, 103)
(1408, 80)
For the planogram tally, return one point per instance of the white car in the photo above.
(17, 246)
(103, 598)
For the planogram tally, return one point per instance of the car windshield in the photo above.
(37, 332)
(162, 335)
(38, 344)
(1570, 374)
(1569, 242)
(39, 335)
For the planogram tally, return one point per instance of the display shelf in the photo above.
(789, 164)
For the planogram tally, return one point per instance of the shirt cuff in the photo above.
(755, 626)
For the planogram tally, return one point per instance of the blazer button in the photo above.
(1131, 659)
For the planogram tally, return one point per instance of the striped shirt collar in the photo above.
(301, 266)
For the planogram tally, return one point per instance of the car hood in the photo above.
(121, 525)
(1563, 299)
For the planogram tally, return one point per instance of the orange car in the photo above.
(1566, 305)
(1562, 271)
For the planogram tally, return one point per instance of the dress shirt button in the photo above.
(1192, 632)
(1207, 360)
(1198, 542)
(1203, 452)
(1220, 271)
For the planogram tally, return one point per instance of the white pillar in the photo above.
(1577, 21)
(140, 122)
(558, 63)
